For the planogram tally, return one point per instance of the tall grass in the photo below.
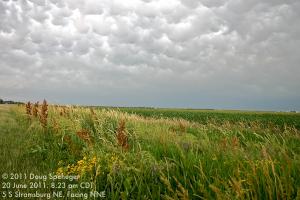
(134, 157)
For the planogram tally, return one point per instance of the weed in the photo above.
(28, 108)
(122, 137)
(44, 114)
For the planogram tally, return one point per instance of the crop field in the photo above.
(206, 116)
(72, 152)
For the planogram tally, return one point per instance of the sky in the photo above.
(222, 54)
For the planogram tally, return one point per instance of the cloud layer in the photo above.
(178, 53)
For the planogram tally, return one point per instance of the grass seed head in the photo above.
(92, 112)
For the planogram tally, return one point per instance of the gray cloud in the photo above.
(186, 53)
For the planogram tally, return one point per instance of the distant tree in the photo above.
(1, 101)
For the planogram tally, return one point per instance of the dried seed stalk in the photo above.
(44, 114)
(85, 136)
(35, 109)
(121, 135)
(28, 108)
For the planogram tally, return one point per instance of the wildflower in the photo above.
(83, 166)
(60, 171)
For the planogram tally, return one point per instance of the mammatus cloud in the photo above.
(179, 53)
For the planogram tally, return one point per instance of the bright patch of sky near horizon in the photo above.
(178, 53)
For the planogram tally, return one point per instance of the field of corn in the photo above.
(142, 153)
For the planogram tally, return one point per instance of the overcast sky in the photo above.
(231, 54)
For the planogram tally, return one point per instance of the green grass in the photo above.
(173, 154)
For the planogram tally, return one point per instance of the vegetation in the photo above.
(154, 154)
(280, 119)
(9, 102)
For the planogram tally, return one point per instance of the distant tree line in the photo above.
(9, 102)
